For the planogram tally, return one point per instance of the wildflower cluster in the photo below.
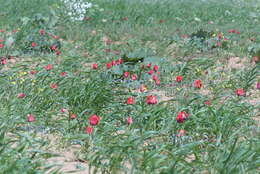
(77, 8)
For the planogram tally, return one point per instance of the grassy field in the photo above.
(152, 86)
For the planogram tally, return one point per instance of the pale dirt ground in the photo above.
(66, 160)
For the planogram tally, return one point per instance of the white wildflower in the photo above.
(77, 8)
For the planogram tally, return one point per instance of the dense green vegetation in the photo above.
(152, 86)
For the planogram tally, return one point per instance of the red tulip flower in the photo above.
(134, 77)
(63, 74)
(53, 47)
(34, 44)
(63, 110)
(94, 120)
(109, 65)
(182, 116)
(89, 130)
(161, 21)
(181, 133)
(158, 82)
(180, 119)
(255, 59)
(32, 72)
(155, 68)
(95, 66)
(130, 101)
(30, 118)
(120, 60)
(155, 77)
(58, 52)
(207, 103)
(258, 85)
(125, 18)
(240, 92)
(73, 116)
(3, 61)
(54, 86)
(42, 32)
(126, 74)
(55, 37)
(2, 45)
(21, 95)
(232, 31)
(113, 63)
(129, 120)
(151, 99)
(179, 79)
(198, 84)
(48, 67)
(151, 72)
